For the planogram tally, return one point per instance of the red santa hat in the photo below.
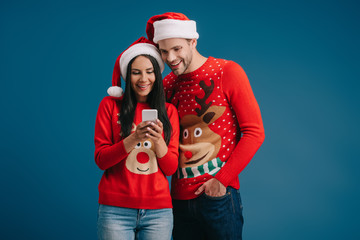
(140, 46)
(170, 25)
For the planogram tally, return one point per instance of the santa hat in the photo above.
(140, 46)
(170, 25)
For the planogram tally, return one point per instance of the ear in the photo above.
(213, 113)
(193, 43)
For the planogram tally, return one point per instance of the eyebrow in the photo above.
(151, 68)
(177, 46)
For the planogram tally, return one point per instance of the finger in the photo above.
(143, 125)
(158, 122)
(141, 133)
(142, 137)
(154, 133)
(153, 138)
(200, 189)
(156, 128)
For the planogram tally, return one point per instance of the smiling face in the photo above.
(177, 53)
(142, 77)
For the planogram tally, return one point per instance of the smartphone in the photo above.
(149, 115)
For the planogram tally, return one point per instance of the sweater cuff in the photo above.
(121, 151)
(224, 177)
(164, 158)
(122, 147)
(168, 163)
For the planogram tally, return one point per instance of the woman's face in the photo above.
(142, 77)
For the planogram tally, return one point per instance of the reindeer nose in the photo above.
(188, 154)
(142, 157)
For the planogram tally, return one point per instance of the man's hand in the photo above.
(212, 188)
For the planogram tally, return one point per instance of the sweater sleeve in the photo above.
(107, 154)
(238, 91)
(169, 163)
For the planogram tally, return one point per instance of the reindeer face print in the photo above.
(199, 144)
(142, 159)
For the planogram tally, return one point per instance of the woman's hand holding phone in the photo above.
(155, 130)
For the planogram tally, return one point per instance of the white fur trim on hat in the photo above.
(115, 91)
(173, 28)
(138, 49)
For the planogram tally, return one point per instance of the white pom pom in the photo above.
(115, 91)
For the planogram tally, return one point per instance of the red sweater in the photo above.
(136, 179)
(221, 125)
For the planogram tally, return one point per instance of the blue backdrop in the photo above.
(302, 59)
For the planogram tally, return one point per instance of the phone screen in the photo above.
(149, 115)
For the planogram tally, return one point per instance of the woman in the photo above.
(137, 156)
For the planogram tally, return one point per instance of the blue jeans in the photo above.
(206, 217)
(127, 223)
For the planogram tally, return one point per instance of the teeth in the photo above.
(176, 64)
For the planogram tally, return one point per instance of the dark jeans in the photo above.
(205, 217)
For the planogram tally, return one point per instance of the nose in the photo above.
(142, 157)
(143, 77)
(171, 57)
(188, 154)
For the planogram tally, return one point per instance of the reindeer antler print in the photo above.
(201, 101)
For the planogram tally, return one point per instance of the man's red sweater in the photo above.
(221, 125)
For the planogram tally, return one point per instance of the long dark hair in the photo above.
(156, 100)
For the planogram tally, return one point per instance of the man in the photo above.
(221, 130)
